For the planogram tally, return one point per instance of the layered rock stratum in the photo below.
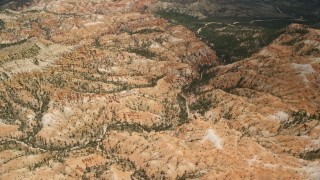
(106, 90)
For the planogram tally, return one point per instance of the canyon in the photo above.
(109, 90)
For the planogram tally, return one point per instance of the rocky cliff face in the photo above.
(106, 90)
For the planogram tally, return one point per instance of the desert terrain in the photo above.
(109, 90)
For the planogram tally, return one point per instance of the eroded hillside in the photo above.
(107, 90)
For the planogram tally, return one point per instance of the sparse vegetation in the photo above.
(13, 44)
(311, 155)
(195, 86)
(298, 118)
(202, 105)
(2, 24)
(140, 174)
(183, 115)
(189, 175)
(109, 104)
(97, 43)
(147, 31)
(143, 52)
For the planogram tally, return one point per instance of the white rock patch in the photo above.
(280, 116)
(48, 119)
(68, 111)
(304, 70)
(313, 170)
(253, 160)
(92, 23)
(214, 138)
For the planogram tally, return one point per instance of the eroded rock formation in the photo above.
(106, 90)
